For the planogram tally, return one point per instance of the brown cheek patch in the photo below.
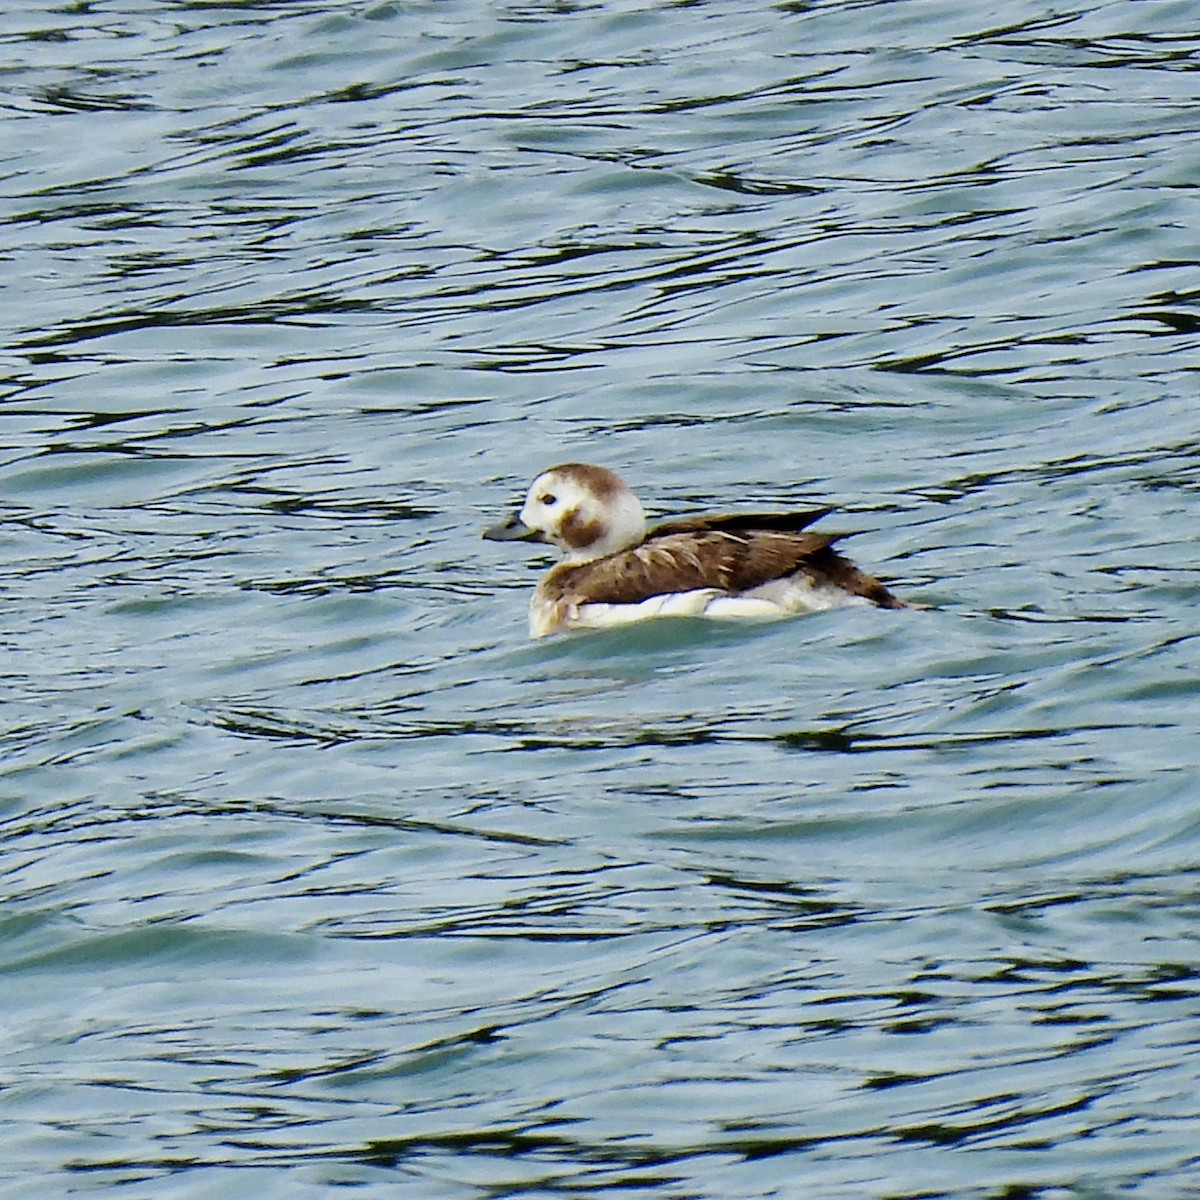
(578, 532)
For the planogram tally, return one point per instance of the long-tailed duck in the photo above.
(733, 566)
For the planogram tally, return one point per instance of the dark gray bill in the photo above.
(512, 530)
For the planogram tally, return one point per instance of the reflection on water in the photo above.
(318, 874)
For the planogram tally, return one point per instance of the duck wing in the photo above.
(780, 522)
(726, 561)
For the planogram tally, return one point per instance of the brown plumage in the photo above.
(732, 553)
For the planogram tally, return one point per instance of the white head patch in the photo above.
(586, 511)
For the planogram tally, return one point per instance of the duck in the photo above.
(727, 566)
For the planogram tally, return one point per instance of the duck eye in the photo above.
(548, 500)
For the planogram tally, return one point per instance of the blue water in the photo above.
(316, 874)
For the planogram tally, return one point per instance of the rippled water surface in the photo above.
(317, 874)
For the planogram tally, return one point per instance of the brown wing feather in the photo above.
(728, 562)
(830, 567)
(782, 522)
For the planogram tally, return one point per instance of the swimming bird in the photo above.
(728, 566)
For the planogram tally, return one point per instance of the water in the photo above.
(317, 875)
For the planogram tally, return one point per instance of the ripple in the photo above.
(341, 881)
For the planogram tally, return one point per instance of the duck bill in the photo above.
(512, 530)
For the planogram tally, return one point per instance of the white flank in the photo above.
(670, 604)
(770, 602)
